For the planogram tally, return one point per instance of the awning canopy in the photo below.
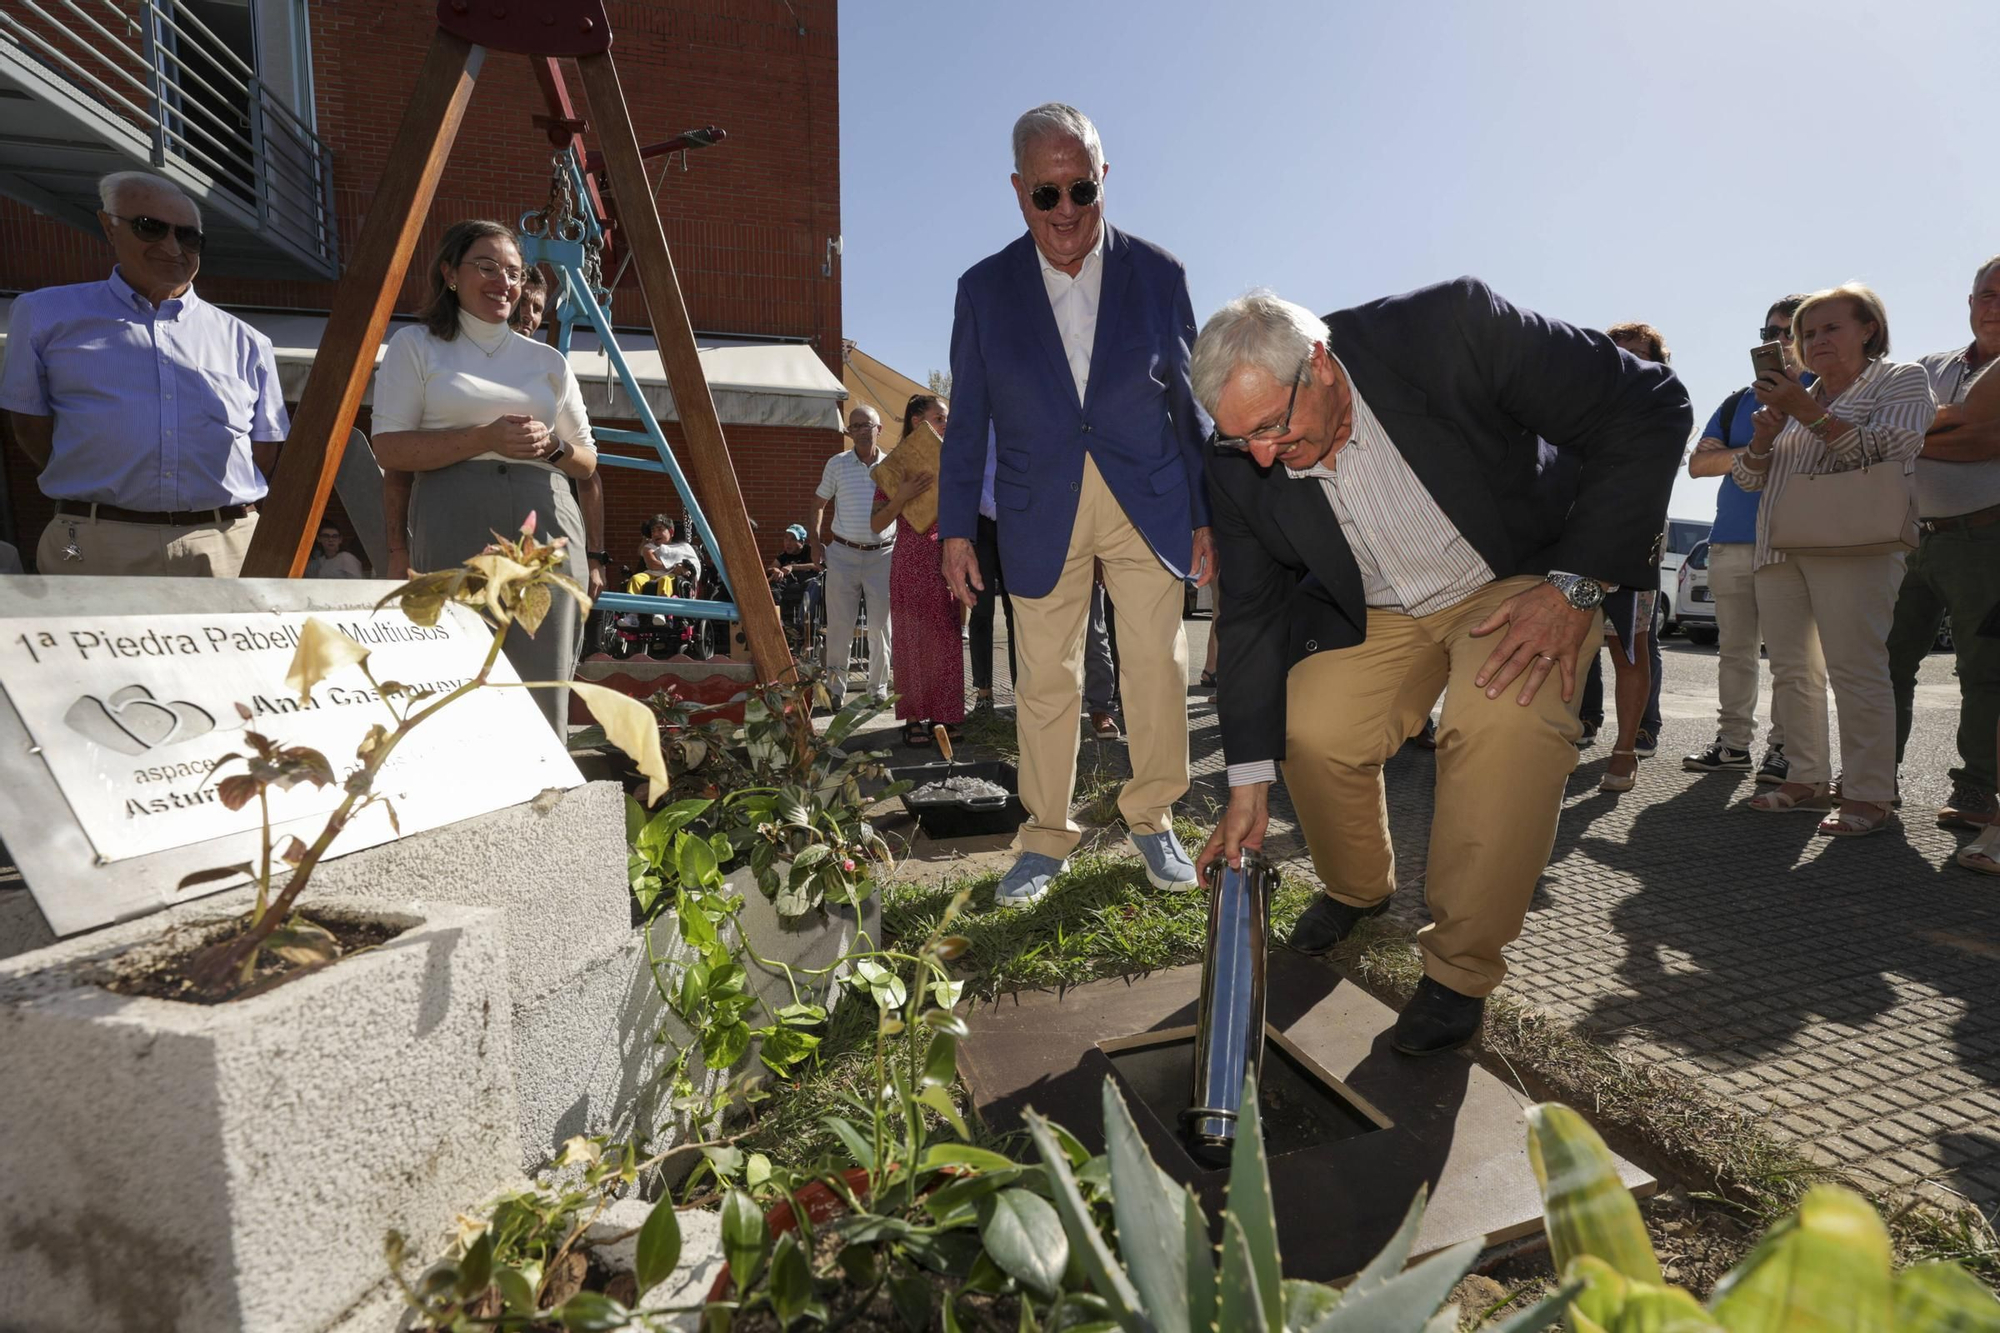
(752, 383)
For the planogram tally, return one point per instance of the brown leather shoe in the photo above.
(1103, 726)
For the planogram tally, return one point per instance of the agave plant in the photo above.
(1164, 1278)
(1826, 1267)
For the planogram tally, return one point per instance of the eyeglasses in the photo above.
(863, 427)
(1217, 440)
(1775, 333)
(150, 230)
(490, 270)
(1082, 193)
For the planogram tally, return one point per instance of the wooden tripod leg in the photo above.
(289, 516)
(714, 476)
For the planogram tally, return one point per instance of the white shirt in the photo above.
(486, 372)
(1074, 301)
(670, 554)
(1412, 558)
(340, 565)
(850, 484)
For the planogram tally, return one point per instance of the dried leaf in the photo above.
(322, 651)
(303, 943)
(533, 606)
(295, 851)
(215, 873)
(631, 727)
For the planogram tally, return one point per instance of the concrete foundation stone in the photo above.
(187, 1167)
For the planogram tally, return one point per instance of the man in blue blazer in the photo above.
(1072, 346)
(1389, 533)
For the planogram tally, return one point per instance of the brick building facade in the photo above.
(748, 221)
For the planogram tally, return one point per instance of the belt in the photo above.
(177, 518)
(1978, 518)
(865, 546)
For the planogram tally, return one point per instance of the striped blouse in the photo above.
(1891, 407)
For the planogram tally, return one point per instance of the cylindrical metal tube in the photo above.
(1229, 1027)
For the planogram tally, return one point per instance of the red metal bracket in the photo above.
(530, 27)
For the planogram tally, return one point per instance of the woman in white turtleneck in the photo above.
(492, 426)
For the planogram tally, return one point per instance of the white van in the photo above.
(1682, 535)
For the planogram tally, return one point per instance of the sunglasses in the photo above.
(1082, 193)
(1216, 440)
(150, 230)
(1776, 333)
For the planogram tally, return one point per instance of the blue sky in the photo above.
(1678, 163)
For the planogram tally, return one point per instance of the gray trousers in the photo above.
(454, 512)
(851, 576)
(1100, 663)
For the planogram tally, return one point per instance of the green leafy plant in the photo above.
(1825, 1267)
(526, 1262)
(789, 798)
(1160, 1275)
(929, 1220)
(510, 583)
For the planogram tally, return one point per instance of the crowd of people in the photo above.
(1437, 496)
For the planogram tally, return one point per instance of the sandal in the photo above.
(1620, 781)
(916, 734)
(1983, 852)
(1854, 824)
(1775, 801)
(1208, 680)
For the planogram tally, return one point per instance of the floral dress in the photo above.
(927, 656)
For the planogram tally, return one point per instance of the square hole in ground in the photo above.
(1302, 1107)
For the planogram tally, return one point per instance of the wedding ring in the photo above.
(1545, 657)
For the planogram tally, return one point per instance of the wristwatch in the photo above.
(601, 557)
(1585, 594)
(556, 454)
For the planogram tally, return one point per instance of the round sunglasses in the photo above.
(1082, 193)
(151, 230)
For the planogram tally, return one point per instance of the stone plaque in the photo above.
(127, 714)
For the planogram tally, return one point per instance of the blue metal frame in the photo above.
(579, 302)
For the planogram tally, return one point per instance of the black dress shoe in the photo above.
(1437, 1018)
(1328, 922)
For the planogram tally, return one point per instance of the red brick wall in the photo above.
(748, 223)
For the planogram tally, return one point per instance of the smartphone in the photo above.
(1768, 359)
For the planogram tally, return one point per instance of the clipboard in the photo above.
(917, 453)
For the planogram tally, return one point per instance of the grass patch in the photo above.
(992, 731)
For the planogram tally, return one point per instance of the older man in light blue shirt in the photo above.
(152, 415)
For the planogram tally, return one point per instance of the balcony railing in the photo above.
(155, 69)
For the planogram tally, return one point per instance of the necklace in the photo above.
(468, 325)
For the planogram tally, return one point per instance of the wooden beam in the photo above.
(366, 296)
(714, 476)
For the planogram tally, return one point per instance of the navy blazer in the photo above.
(1138, 420)
(1463, 383)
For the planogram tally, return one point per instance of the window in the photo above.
(1683, 533)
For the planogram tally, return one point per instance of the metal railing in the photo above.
(199, 104)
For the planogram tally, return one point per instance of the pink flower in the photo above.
(528, 524)
(847, 866)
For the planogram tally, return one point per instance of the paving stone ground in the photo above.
(1847, 991)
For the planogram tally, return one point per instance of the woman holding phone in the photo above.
(492, 427)
(1862, 409)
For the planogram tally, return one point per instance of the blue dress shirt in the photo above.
(155, 410)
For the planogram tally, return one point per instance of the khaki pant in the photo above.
(1739, 634)
(1831, 614)
(1152, 676)
(102, 546)
(1500, 775)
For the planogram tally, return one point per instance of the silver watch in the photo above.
(1585, 594)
